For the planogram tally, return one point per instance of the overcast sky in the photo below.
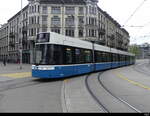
(120, 10)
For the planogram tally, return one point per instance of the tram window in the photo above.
(107, 57)
(103, 57)
(83, 56)
(77, 55)
(98, 56)
(48, 55)
(120, 57)
(87, 56)
(115, 58)
(58, 55)
(112, 57)
(124, 58)
(68, 56)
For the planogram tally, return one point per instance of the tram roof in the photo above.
(74, 42)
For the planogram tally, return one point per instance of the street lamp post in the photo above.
(20, 48)
(93, 52)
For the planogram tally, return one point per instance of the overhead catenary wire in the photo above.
(139, 27)
(143, 36)
(141, 4)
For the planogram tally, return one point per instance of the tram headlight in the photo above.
(42, 68)
(46, 68)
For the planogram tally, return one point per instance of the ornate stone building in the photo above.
(82, 19)
(3, 41)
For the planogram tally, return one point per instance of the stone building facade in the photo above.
(144, 51)
(82, 19)
(4, 41)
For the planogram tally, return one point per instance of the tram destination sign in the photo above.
(43, 37)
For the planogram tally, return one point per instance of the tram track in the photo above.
(138, 68)
(103, 104)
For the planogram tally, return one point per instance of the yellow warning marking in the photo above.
(132, 82)
(66, 80)
(17, 75)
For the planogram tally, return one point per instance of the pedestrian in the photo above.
(4, 62)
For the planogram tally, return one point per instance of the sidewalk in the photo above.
(13, 68)
(13, 71)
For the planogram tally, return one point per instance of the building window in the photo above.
(80, 32)
(44, 20)
(44, 29)
(32, 9)
(70, 21)
(70, 32)
(56, 30)
(93, 10)
(44, 9)
(55, 21)
(92, 21)
(32, 32)
(90, 10)
(38, 8)
(81, 20)
(81, 10)
(38, 30)
(92, 33)
(56, 10)
(70, 10)
(38, 20)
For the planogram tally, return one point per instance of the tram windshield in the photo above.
(47, 54)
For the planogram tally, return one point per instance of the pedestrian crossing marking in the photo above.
(17, 75)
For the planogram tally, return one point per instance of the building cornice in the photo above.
(25, 8)
(62, 2)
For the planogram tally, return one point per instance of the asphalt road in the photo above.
(30, 95)
(130, 87)
(130, 84)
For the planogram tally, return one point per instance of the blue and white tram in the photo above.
(58, 56)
